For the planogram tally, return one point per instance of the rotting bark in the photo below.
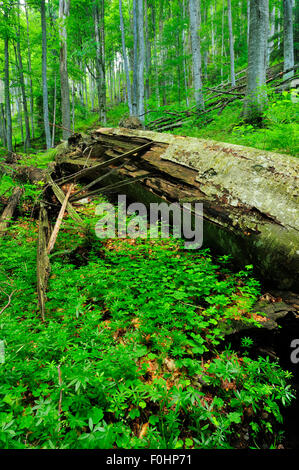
(43, 263)
(9, 209)
(248, 195)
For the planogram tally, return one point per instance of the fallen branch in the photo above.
(59, 221)
(9, 209)
(9, 301)
(43, 263)
(61, 196)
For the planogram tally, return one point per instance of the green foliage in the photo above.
(279, 132)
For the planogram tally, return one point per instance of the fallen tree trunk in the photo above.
(42, 263)
(9, 209)
(249, 196)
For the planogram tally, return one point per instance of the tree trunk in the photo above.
(249, 200)
(288, 43)
(64, 8)
(196, 55)
(125, 57)
(44, 74)
(9, 209)
(100, 59)
(257, 59)
(3, 125)
(231, 43)
(54, 112)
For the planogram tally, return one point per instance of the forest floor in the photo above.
(131, 353)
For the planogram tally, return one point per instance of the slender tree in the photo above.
(288, 37)
(257, 59)
(44, 74)
(30, 72)
(194, 6)
(231, 43)
(125, 57)
(19, 62)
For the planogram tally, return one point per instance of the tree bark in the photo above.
(22, 83)
(7, 97)
(44, 74)
(231, 43)
(196, 54)
(64, 8)
(288, 43)
(257, 60)
(9, 209)
(125, 57)
(135, 59)
(30, 73)
(249, 197)
(141, 60)
(98, 14)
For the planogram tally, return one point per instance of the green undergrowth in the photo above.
(131, 352)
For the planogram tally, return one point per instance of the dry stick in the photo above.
(60, 196)
(61, 127)
(225, 92)
(43, 263)
(114, 186)
(9, 301)
(60, 395)
(96, 181)
(59, 221)
(9, 209)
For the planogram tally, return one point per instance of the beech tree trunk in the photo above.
(9, 209)
(135, 59)
(22, 84)
(231, 43)
(141, 60)
(30, 73)
(7, 97)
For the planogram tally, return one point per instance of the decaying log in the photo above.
(9, 209)
(59, 221)
(43, 263)
(249, 196)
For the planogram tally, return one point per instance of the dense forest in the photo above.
(135, 342)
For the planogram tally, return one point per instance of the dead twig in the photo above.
(59, 221)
